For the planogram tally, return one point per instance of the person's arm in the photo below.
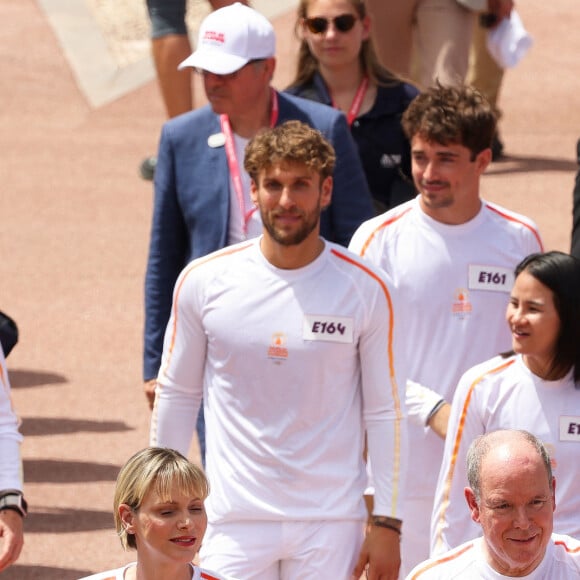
(11, 537)
(215, 4)
(180, 381)
(167, 255)
(383, 380)
(11, 529)
(500, 9)
(351, 198)
(426, 407)
(450, 523)
(438, 419)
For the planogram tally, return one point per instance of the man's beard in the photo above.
(309, 224)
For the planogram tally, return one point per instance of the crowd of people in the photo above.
(327, 296)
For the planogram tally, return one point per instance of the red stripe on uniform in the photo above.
(456, 445)
(565, 546)
(380, 227)
(441, 560)
(513, 219)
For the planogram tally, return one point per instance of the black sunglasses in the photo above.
(319, 25)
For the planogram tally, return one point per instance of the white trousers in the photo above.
(283, 550)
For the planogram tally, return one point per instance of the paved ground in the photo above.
(75, 220)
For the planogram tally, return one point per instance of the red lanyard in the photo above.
(233, 164)
(357, 101)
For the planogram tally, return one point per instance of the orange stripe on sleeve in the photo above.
(456, 446)
(441, 560)
(390, 356)
(380, 227)
(193, 266)
(566, 547)
(513, 219)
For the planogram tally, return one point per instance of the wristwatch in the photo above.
(13, 500)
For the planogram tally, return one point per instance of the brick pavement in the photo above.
(75, 221)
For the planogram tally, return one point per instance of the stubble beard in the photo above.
(284, 238)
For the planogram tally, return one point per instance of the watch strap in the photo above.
(14, 500)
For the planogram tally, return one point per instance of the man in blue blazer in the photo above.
(201, 189)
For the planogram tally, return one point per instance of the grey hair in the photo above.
(481, 446)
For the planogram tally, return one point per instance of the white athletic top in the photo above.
(292, 365)
(454, 282)
(468, 562)
(10, 437)
(119, 574)
(503, 393)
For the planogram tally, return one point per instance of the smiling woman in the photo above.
(337, 66)
(159, 511)
(535, 387)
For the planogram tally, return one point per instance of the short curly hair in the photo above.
(154, 468)
(290, 142)
(451, 114)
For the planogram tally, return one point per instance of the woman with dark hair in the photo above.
(535, 387)
(337, 66)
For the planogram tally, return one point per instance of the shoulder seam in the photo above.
(514, 219)
(442, 560)
(382, 225)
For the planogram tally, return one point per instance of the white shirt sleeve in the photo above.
(10, 437)
(180, 381)
(421, 401)
(383, 383)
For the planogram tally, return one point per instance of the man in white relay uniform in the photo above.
(291, 340)
(511, 497)
(537, 389)
(451, 256)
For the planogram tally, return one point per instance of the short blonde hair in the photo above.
(157, 469)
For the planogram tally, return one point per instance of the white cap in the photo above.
(231, 37)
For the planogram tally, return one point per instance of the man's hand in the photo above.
(149, 387)
(11, 537)
(381, 550)
(501, 8)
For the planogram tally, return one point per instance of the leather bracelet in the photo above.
(386, 522)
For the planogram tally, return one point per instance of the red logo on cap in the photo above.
(214, 36)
